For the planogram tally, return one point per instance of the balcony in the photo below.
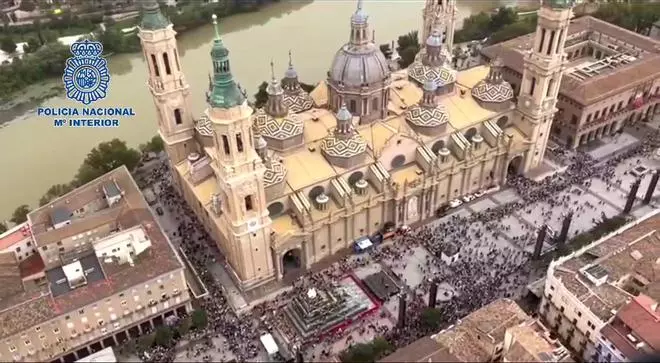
(624, 111)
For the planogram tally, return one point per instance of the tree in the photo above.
(408, 47)
(47, 36)
(184, 326)
(3, 227)
(503, 17)
(20, 214)
(261, 96)
(431, 319)
(7, 45)
(163, 336)
(199, 319)
(55, 191)
(32, 45)
(367, 352)
(155, 145)
(105, 157)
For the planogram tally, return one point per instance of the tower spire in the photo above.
(225, 92)
(152, 18)
(359, 26)
(290, 59)
(272, 71)
(275, 105)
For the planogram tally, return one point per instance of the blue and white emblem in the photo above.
(86, 75)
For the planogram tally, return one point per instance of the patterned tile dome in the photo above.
(274, 174)
(343, 147)
(203, 127)
(493, 88)
(421, 73)
(423, 116)
(297, 101)
(492, 92)
(280, 128)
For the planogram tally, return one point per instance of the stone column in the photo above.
(433, 294)
(632, 195)
(652, 185)
(566, 224)
(538, 248)
(402, 310)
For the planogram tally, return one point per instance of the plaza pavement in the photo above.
(517, 232)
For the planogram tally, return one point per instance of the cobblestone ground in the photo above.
(513, 232)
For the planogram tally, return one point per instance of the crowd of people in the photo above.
(486, 270)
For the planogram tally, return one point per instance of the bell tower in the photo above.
(441, 15)
(544, 66)
(245, 224)
(168, 86)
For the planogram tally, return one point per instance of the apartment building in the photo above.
(633, 334)
(584, 291)
(612, 78)
(500, 331)
(109, 273)
(18, 242)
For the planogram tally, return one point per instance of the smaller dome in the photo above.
(281, 128)
(338, 147)
(422, 116)
(485, 91)
(275, 173)
(441, 76)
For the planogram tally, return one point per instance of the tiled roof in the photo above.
(31, 265)
(422, 350)
(29, 308)
(644, 322)
(596, 88)
(620, 266)
(14, 236)
(10, 275)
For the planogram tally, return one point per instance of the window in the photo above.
(597, 115)
(29, 244)
(620, 105)
(353, 106)
(551, 85)
(225, 144)
(166, 60)
(81, 311)
(552, 39)
(18, 249)
(37, 329)
(101, 322)
(177, 116)
(59, 243)
(239, 142)
(27, 342)
(248, 203)
(588, 117)
(374, 104)
(552, 288)
(56, 330)
(542, 40)
(532, 86)
(561, 309)
(154, 63)
(12, 348)
(574, 120)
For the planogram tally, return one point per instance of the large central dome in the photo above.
(357, 65)
(360, 75)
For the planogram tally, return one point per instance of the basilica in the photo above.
(370, 147)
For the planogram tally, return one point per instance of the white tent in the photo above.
(269, 343)
(363, 243)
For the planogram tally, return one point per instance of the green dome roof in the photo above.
(224, 90)
(152, 18)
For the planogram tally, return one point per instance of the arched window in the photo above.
(502, 121)
(437, 146)
(469, 134)
(355, 177)
(166, 60)
(225, 144)
(315, 192)
(177, 116)
(275, 209)
(239, 142)
(154, 63)
(398, 161)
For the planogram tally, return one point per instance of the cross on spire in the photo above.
(272, 70)
(215, 26)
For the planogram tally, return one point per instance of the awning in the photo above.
(269, 343)
(363, 243)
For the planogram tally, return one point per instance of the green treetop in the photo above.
(224, 90)
(152, 18)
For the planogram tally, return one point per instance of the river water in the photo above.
(34, 155)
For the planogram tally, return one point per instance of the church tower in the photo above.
(441, 15)
(544, 66)
(244, 222)
(168, 86)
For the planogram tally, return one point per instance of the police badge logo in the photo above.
(86, 76)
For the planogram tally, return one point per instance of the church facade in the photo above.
(371, 146)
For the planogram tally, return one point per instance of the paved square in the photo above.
(482, 204)
(609, 194)
(612, 145)
(506, 196)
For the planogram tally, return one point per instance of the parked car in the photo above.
(469, 197)
(455, 203)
